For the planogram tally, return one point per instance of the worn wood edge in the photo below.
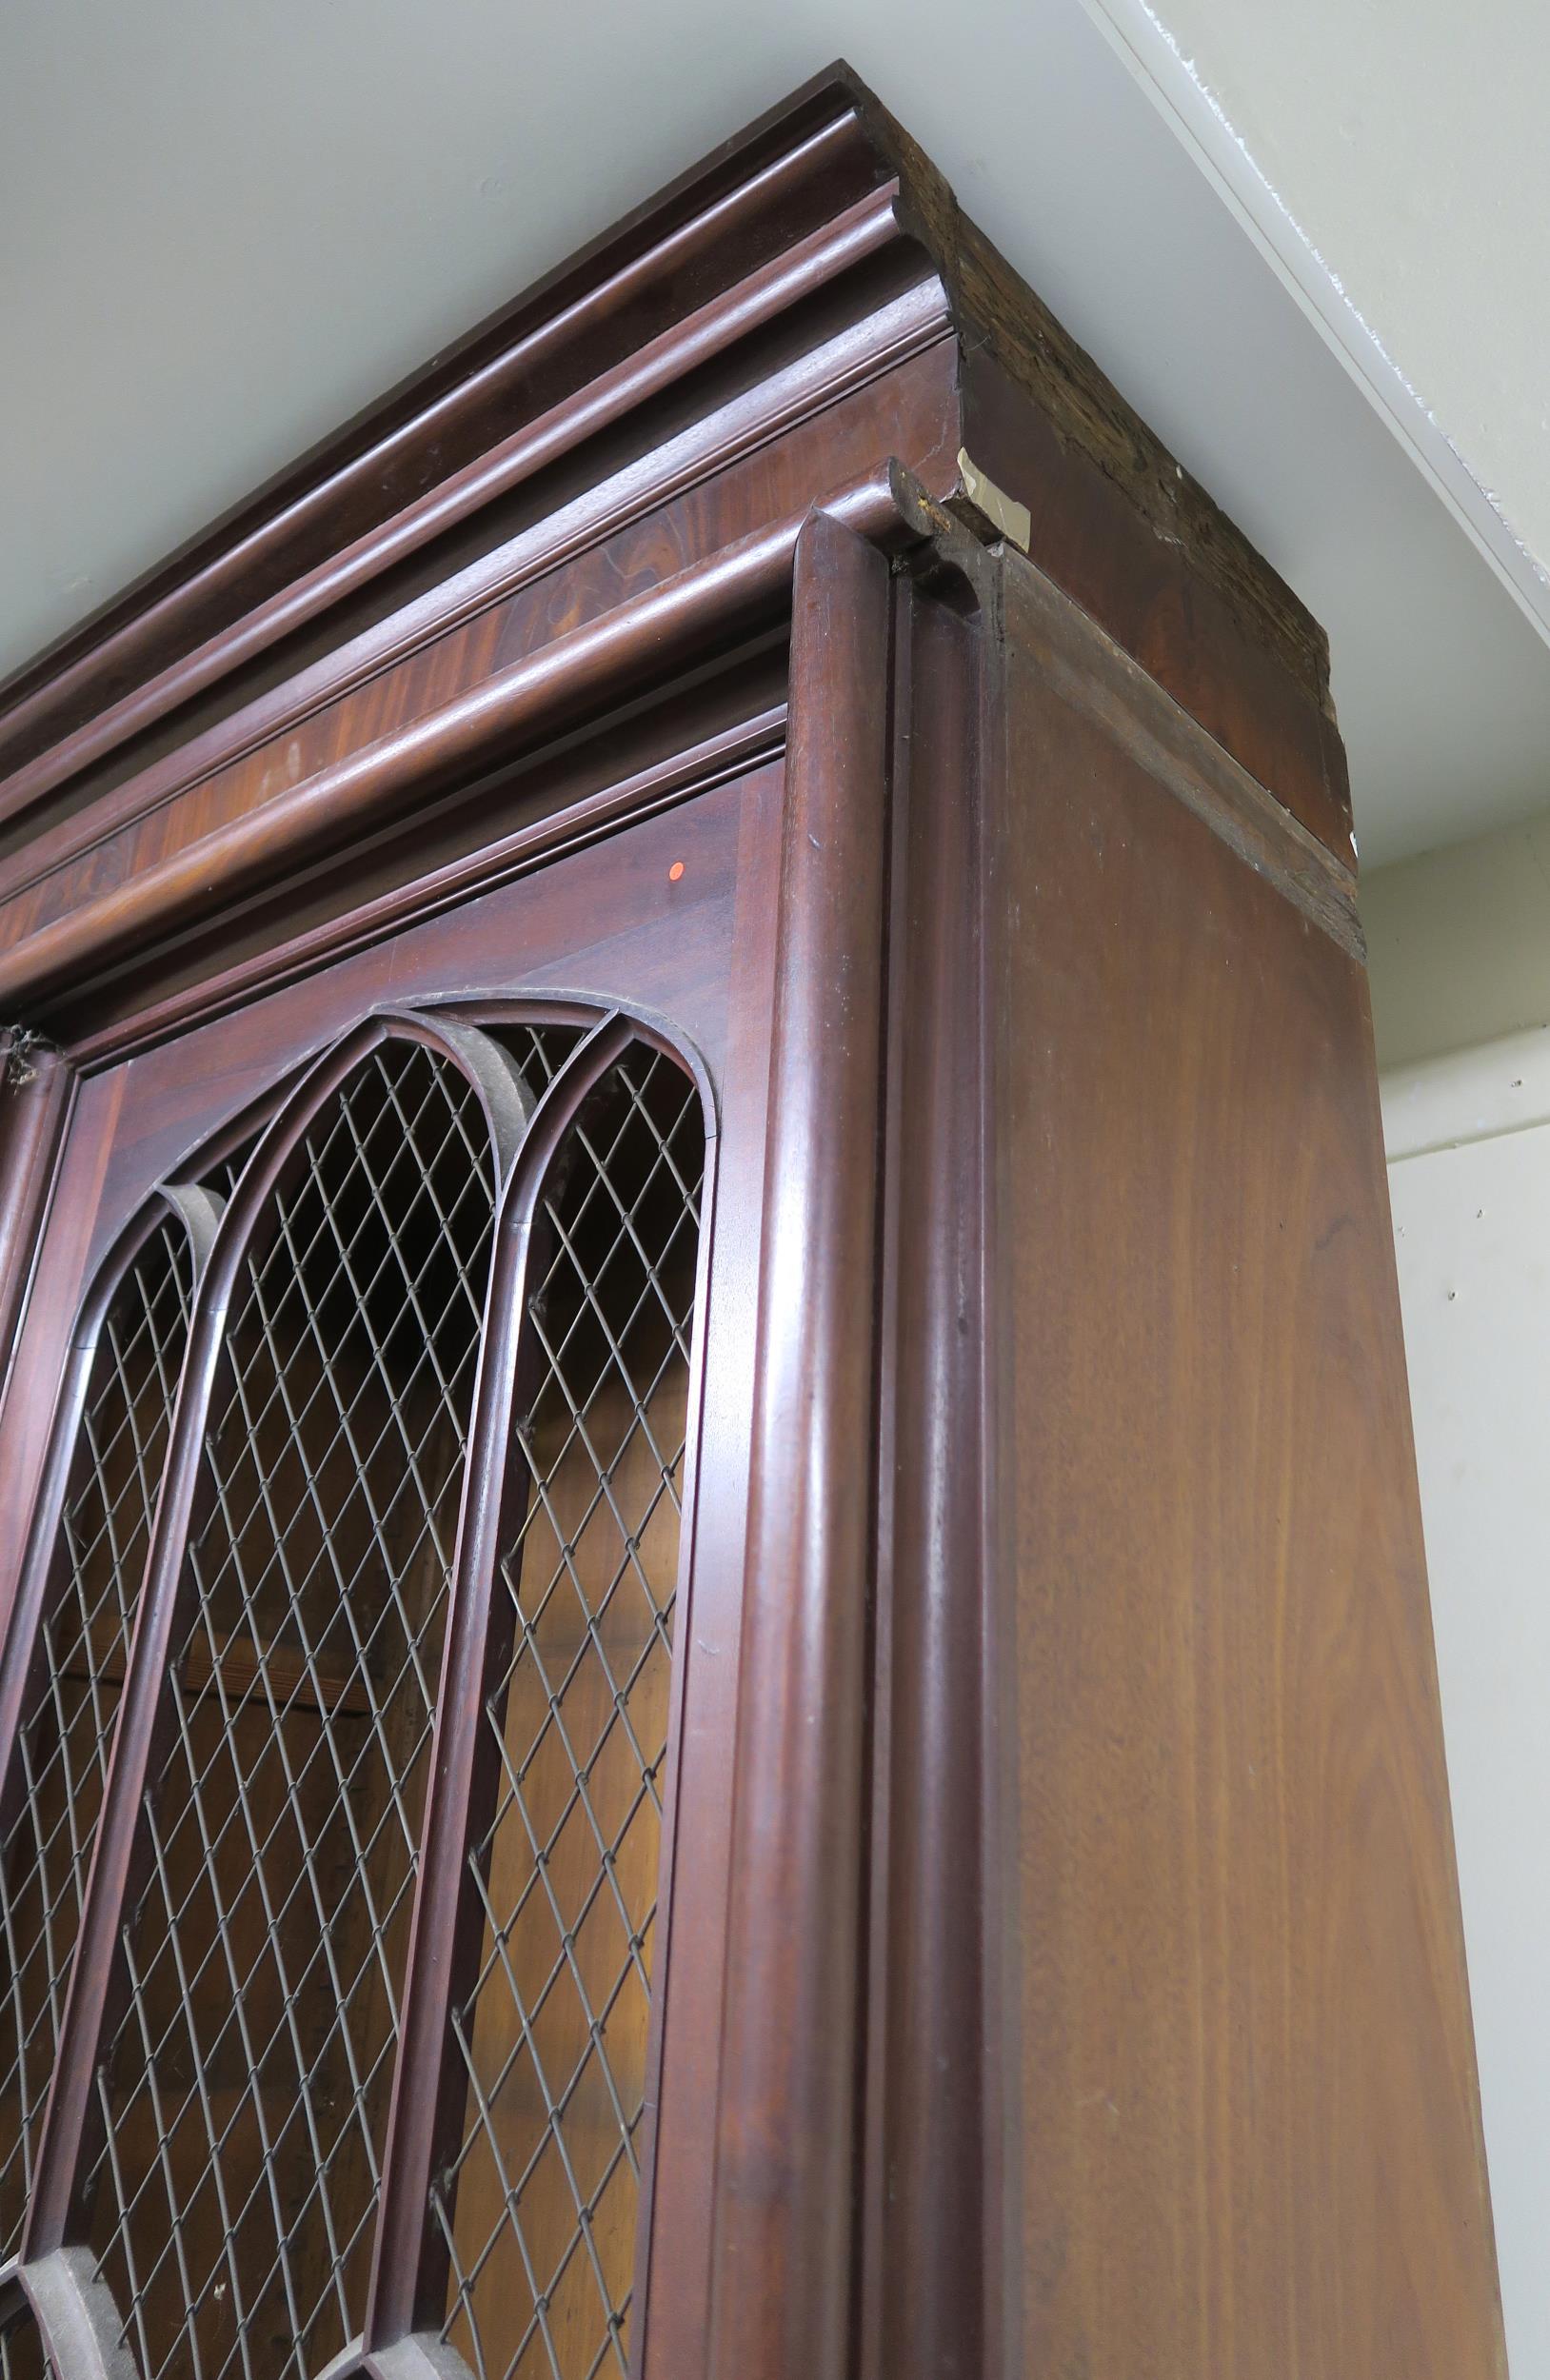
(994, 305)
(1087, 411)
(1095, 676)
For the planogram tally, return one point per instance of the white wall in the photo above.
(1458, 943)
(1460, 950)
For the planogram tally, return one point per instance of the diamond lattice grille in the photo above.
(537, 2214)
(61, 1761)
(244, 2099)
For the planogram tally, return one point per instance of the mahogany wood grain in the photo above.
(1217, 657)
(783, 2244)
(666, 333)
(1060, 1965)
(450, 713)
(932, 2269)
(448, 645)
(1250, 2125)
(785, 178)
(36, 1092)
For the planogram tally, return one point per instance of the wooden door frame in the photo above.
(889, 608)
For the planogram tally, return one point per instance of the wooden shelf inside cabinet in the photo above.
(713, 1642)
(239, 1669)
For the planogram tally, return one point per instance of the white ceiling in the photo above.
(1402, 143)
(226, 228)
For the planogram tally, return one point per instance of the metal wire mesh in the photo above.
(537, 2212)
(55, 1788)
(536, 1050)
(245, 2097)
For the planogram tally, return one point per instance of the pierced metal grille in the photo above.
(537, 2214)
(55, 1790)
(245, 2097)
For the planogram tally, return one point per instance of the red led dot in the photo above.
(675, 871)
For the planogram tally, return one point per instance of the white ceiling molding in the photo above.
(1470, 1095)
(1196, 118)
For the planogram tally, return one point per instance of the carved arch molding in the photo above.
(334, 1723)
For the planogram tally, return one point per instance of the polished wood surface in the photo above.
(686, 874)
(700, 572)
(813, 301)
(748, 233)
(786, 2164)
(934, 2212)
(1249, 2098)
(36, 1092)
(1056, 1963)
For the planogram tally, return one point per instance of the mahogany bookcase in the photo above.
(716, 1655)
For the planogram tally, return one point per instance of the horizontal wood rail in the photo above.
(764, 218)
(863, 231)
(245, 1672)
(681, 462)
(709, 608)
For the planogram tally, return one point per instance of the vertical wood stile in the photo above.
(784, 2215)
(930, 2238)
(32, 1118)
